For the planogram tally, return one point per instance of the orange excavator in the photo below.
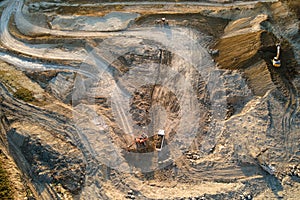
(144, 143)
(140, 141)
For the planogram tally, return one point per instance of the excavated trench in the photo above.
(149, 96)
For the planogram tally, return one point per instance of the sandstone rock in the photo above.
(62, 86)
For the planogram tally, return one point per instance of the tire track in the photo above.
(226, 173)
(59, 126)
(287, 122)
(120, 110)
(291, 109)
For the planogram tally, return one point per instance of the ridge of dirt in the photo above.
(238, 51)
(295, 6)
(261, 84)
(208, 25)
(18, 184)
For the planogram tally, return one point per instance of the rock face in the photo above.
(57, 164)
(4, 127)
(49, 159)
(62, 86)
(240, 51)
(245, 46)
(261, 84)
(38, 149)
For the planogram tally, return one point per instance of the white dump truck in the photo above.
(160, 140)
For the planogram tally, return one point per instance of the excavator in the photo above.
(143, 143)
(140, 142)
(162, 22)
(275, 61)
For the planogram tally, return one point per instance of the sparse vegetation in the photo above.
(5, 190)
(16, 83)
(119, 7)
(24, 94)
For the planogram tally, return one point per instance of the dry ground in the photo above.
(69, 140)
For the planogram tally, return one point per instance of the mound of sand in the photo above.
(113, 21)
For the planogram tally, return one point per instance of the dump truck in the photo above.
(160, 140)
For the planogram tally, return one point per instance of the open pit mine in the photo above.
(149, 99)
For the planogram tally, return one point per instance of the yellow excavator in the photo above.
(276, 61)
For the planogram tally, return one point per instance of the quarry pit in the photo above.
(81, 80)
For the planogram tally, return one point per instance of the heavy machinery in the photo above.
(160, 140)
(268, 168)
(140, 142)
(143, 143)
(276, 61)
(162, 22)
(263, 164)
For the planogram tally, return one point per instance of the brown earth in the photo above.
(65, 136)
